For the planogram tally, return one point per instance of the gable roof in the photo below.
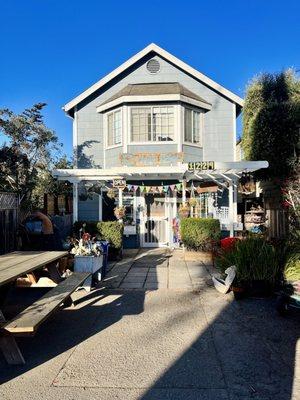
(169, 57)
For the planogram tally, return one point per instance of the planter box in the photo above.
(204, 256)
(88, 264)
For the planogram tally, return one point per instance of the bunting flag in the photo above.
(193, 188)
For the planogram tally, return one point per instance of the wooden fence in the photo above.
(9, 219)
(277, 223)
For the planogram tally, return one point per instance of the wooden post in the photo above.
(9, 347)
(183, 191)
(75, 202)
(120, 199)
(232, 193)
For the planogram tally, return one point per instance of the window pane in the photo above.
(110, 136)
(141, 124)
(163, 123)
(188, 125)
(117, 127)
(196, 127)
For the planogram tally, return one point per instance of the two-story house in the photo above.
(164, 132)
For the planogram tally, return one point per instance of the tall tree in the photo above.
(30, 148)
(271, 120)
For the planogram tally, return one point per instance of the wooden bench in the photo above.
(27, 322)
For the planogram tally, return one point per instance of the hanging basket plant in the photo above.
(111, 194)
(184, 210)
(193, 202)
(119, 212)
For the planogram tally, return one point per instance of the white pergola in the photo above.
(228, 172)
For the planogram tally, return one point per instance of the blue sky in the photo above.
(52, 50)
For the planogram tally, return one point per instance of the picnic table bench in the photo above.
(17, 264)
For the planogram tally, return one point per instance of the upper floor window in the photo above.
(114, 128)
(152, 124)
(192, 126)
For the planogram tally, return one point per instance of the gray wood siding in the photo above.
(112, 157)
(219, 123)
(88, 210)
(192, 153)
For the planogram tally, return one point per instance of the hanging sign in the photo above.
(119, 183)
(201, 166)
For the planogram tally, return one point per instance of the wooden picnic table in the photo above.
(19, 263)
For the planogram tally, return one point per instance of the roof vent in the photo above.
(153, 66)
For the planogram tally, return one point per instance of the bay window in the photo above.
(114, 128)
(192, 126)
(152, 124)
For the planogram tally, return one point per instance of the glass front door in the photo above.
(155, 221)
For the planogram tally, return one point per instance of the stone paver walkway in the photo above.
(156, 269)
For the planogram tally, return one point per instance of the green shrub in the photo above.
(254, 258)
(200, 234)
(112, 231)
(292, 267)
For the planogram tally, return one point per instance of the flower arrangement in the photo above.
(86, 246)
(193, 202)
(229, 243)
(119, 212)
(111, 194)
(184, 210)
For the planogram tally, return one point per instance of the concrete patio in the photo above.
(181, 341)
(154, 269)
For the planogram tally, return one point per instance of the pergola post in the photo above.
(232, 193)
(120, 199)
(100, 206)
(183, 191)
(75, 202)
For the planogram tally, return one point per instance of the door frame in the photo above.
(144, 219)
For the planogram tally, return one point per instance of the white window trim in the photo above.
(201, 124)
(175, 141)
(113, 146)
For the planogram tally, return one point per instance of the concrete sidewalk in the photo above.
(166, 344)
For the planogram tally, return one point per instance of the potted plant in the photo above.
(193, 202)
(184, 210)
(88, 257)
(256, 263)
(111, 194)
(119, 212)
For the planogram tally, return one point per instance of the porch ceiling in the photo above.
(223, 171)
